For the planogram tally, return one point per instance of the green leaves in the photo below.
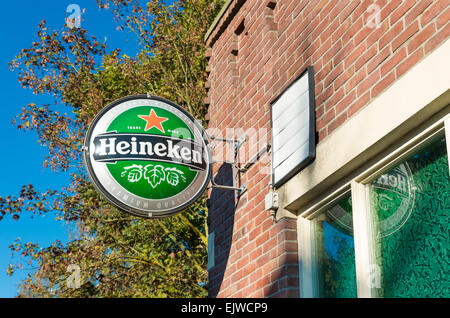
(118, 255)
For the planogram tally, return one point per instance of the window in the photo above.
(335, 251)
(409, 206)
(385, 233)
(328, 267)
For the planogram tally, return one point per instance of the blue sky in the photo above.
(22, 157)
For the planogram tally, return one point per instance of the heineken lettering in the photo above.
(116, 147)
(147, 156)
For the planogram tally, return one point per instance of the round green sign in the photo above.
(147, 156)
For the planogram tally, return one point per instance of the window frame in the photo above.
(362, 222)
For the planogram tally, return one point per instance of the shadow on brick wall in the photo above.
(222, 207)
(285, 279)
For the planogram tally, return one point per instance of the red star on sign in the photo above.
(153, 121)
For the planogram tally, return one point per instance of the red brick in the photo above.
(378, 59)
(327, 10)
(443, 18)
(325, 95)
(320, 111)
(352, 31)
(343, 26)
(361, 9)
(344, 103)
(399, 13)
(343, 53)
(318, 88)
(289, 282)
(348, 10)
(435, 9)
(322, 134)
(377, 33)
(318, 54)
(357, 78)
(208, 53)
(299, 8)
(440, 37)
(409, 62)
(322, 122)
(320, 75)
(371, 13)
(269, 267)
(383, 84)
(417, 10)
(368, 82)
(337, 96)
(391, 33)
(405, 35)
(344, 77)
(392, 62)
(262, 238)
(321, 27)
(421, 37)
(285, 235)
(270, 244)
(333, 74)
(289, 257)
(368, 54)
(354, 55)
(337, 122)
(358, 104)
(363, 33)
(389, 8)
(320, 5)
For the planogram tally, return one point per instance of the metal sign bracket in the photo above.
(236, 166)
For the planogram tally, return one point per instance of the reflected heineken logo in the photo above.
(147, 156)
(392, 200)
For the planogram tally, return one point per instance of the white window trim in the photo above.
(307, 266)
(362, 221)
(447, 135)
(362, 236)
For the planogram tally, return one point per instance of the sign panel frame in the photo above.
(311, 131)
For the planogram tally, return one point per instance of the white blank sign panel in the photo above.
(293, 128)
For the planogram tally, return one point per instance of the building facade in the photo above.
(367, 215)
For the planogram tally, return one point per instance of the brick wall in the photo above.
(255, 51)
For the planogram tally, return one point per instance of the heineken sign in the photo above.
(147, 156)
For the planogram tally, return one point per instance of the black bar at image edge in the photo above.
(217, 307)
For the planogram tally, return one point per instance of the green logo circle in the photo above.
(392, 198)
(147, 156)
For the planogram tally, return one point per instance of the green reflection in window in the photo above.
(335, 251)
(410, 205)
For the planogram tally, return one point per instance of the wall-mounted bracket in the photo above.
(236, 167)
(239, 190)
